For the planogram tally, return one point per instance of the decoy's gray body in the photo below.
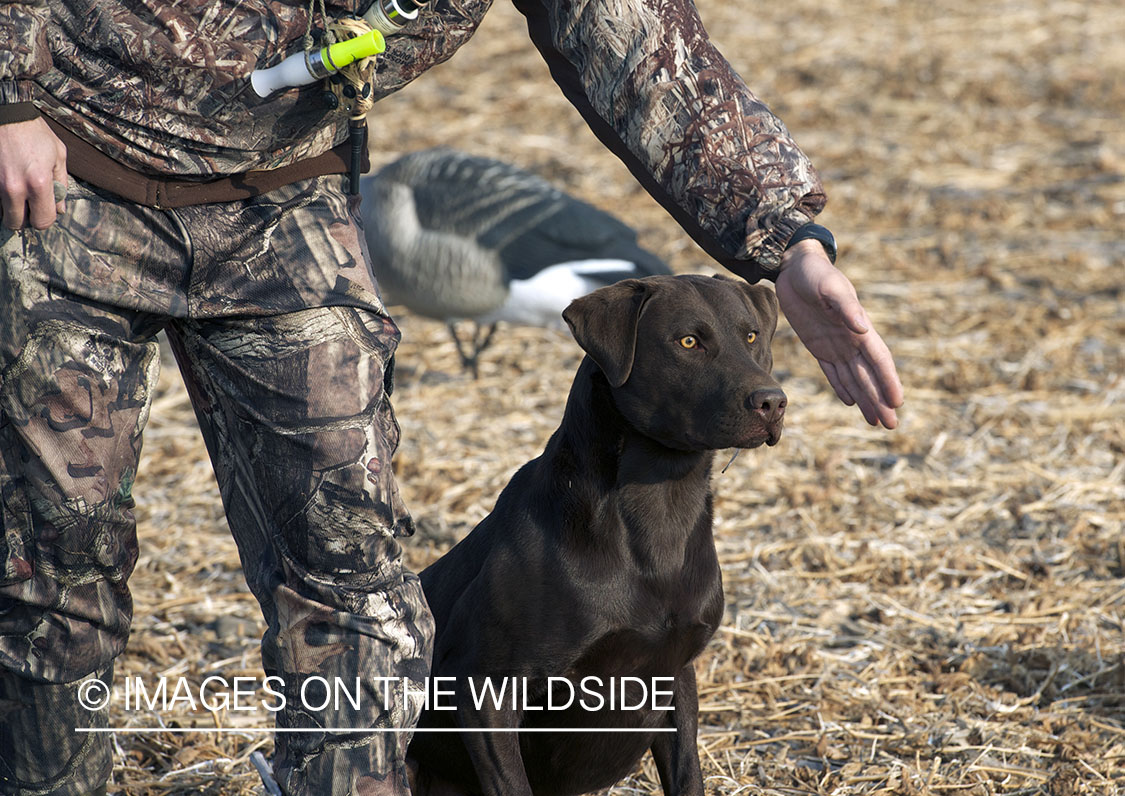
(455, 236)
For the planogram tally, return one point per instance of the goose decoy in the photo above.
(455, 236)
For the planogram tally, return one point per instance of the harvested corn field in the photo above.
(934, 610)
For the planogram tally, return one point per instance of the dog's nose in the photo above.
(769, 403)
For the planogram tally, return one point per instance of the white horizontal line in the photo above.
(369, 729)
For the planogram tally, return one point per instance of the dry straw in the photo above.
(937, 610)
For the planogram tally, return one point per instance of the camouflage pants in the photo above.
(285, 348)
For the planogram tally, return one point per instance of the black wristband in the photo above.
(18, 112)
(818, 233)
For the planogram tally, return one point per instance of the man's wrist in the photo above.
(813, 232)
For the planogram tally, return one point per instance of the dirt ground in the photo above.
(933, 610)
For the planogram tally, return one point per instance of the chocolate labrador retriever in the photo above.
(567, 621)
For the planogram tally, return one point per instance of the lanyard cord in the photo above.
(353, 85)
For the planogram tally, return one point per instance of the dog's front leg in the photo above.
(494, 748)
(676, 753)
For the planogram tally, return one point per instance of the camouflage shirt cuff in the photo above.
(14, 92)
(767, 254)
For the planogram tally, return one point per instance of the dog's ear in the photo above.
(605, 324)
(763, 301)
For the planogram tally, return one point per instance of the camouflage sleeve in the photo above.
(24, 27)
(655, 90)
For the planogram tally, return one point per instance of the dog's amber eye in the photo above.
(751, 337)
(688, 341)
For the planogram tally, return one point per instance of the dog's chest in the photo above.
(653, 631)
(652, 591)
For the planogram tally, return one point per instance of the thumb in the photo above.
(842, 302)
(855, 318)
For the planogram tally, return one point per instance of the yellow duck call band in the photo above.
(333, 58)
(309, 66)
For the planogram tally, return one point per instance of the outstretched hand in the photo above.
(820, 304)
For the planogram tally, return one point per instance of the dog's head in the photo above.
(687, 357)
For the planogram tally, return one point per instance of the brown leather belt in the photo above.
(91, 165)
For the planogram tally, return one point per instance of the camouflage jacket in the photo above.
(162, 88)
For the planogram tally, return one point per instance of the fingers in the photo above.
(830, 373)
(34, 201)
(868, 374)
(858, 382)
(872, 403)
(859, 386)
(41, 202)
(882, 367)
(13, 202)
(32, 159)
